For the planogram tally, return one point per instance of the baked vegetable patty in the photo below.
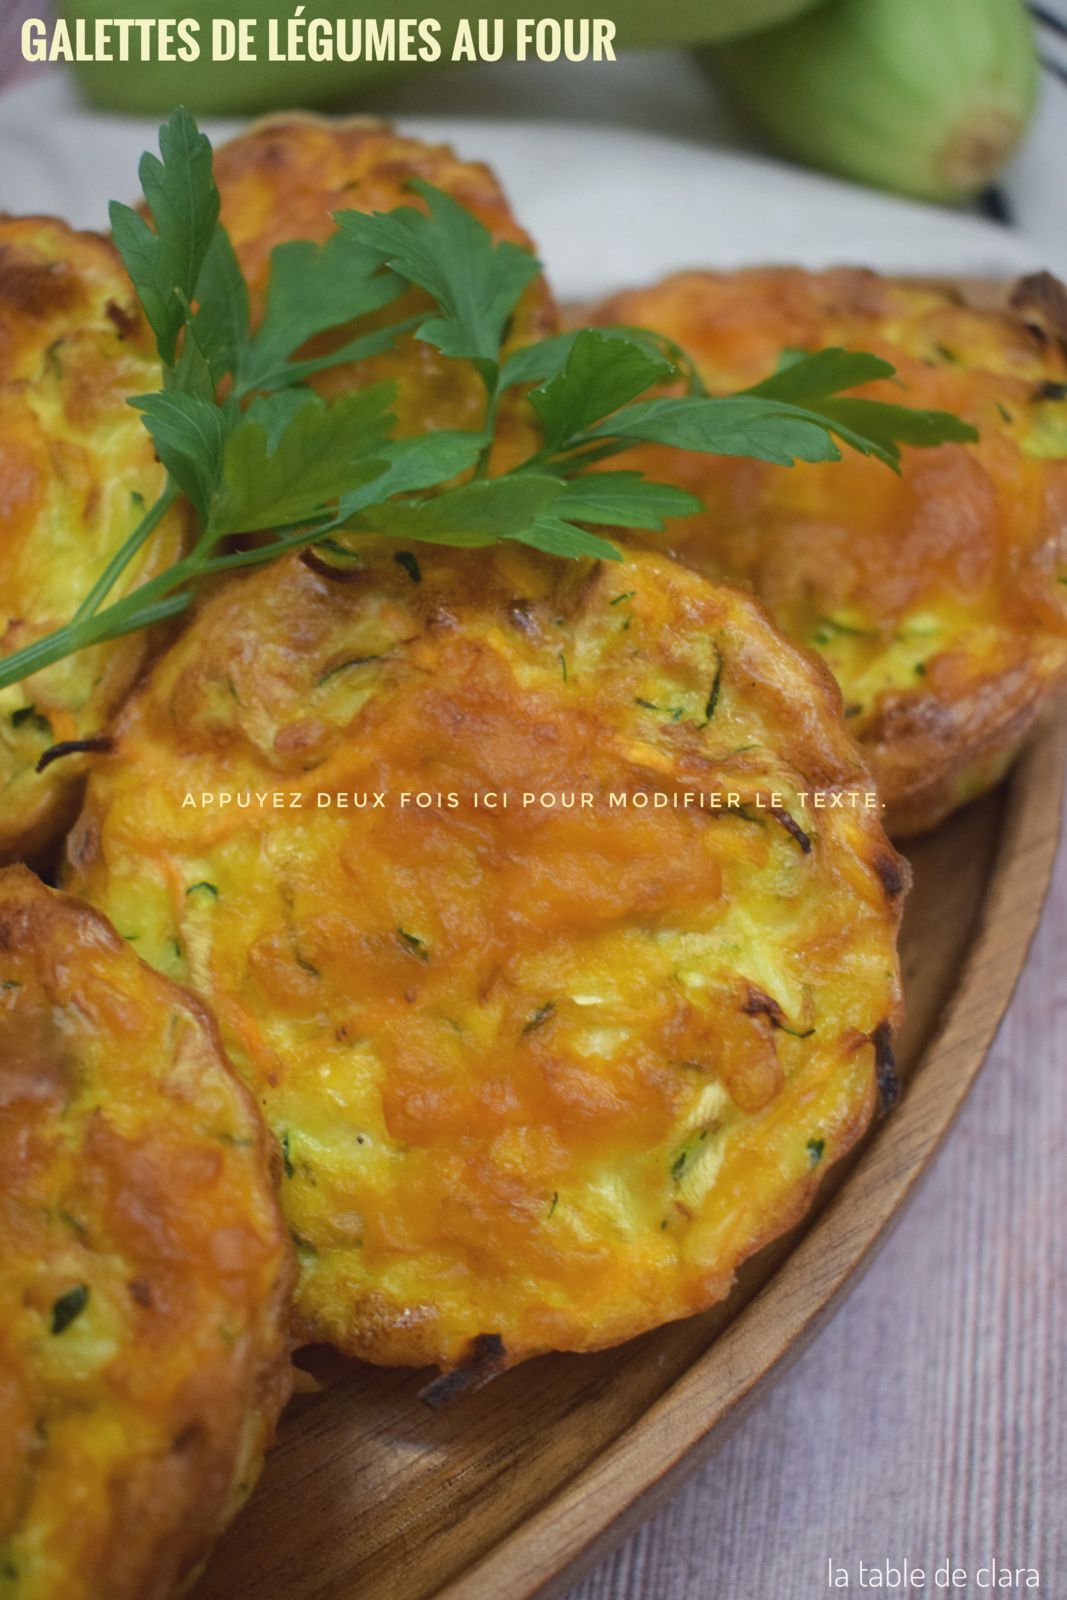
(938, 599)
(287, 178)
(144, 1266)
(547, 909)
(77, 473)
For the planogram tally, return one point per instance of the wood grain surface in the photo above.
(928, 1419)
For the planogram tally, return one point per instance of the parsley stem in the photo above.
(147, 616)
(155, 598)
(285, 373)
(488, 427)
(267, 552)
(126, 552)
(78, 635)
(161, 597)
(585, 452)
(42, 653)
(89, 625)
(574, 456)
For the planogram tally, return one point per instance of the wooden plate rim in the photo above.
(565, 1537)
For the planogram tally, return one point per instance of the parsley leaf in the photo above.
(870, 426)
(877, 429)
(765, 430)
(537, 363)
(221, 321)
(625, 500)
(478, 513)
(599, 376)
(289, 466)
(475, 281)
(291, 456)
(189, 433)
(191, 372)
(528, 508)
(554, 535)
(804, 380)
(795, 415)
(314, 288)
(358, 349)
(412, 464)
(165, 265)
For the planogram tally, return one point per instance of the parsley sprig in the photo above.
(252, 448)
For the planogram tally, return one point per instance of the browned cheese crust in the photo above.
(286, 178)
(77, 469)
(145, 1270)
(545, 1073)
(939, 598)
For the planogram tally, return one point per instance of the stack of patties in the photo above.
(532, 1074)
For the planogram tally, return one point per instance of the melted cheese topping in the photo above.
(287, 178)
(938, 598)
(144, 1268)
(77, 472)
(550, 1070)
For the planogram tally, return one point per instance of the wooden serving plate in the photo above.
(515, 1491)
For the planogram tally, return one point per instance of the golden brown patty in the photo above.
(287, 178)
(144, 1267)
(547, 1070)
(937, 599)
(77, 470)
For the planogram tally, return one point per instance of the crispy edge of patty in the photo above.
(931, 753)
(166, 1510)
(58, 283)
